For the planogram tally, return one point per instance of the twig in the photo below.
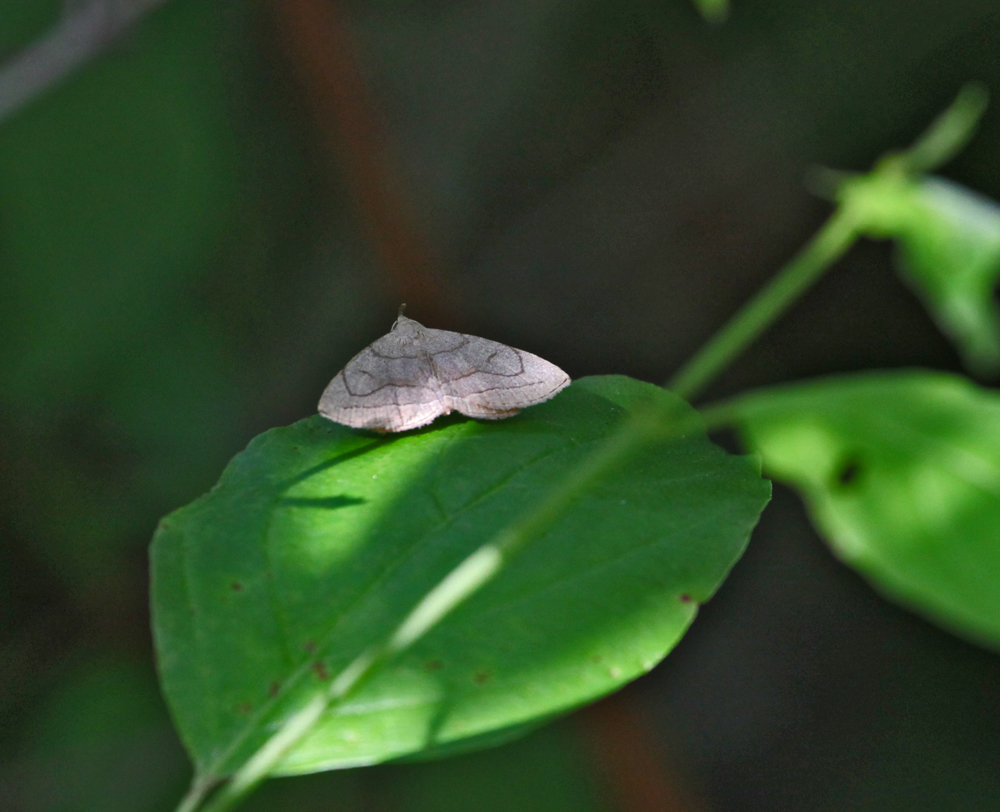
(321, 45)
(83, 32)
(639, 772)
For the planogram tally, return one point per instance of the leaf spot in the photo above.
(320, 670)
(433, 665)
(848, 472)
(237, 586)
(481, 677)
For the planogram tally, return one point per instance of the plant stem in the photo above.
(195, 795)
(825, 248)
(946, 136)
(719, 415)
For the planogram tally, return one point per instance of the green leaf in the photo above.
(948, 240)
(901, 473)
(319, 539)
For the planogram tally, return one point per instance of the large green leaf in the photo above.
(948, 240)
(901, 473)
(319, 539)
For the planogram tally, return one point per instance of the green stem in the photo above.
(825, 248)
(195, 795)
(720, 415)
(946, 136)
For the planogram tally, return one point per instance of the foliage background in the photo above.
(188, 252)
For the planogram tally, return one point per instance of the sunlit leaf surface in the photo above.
(901, 472)
(948, 239)
(318, 540)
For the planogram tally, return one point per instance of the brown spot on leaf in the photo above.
(237, 586)
(481, 677)
(273, 688)
(685, 598)
(433, 665)
(320, 670)
(310, 646)
(848, 473)
(244, 708)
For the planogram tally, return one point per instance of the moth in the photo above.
(414, 374)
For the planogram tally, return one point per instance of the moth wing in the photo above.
(483, 378)
(388, 386)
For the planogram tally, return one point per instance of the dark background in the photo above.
(199, 228)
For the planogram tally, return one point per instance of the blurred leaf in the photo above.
(319, 539)
(124, 191)
(544, 772)
(102, 740)
(714, 11)
(901, 473)
(948, 239)
(116, 191)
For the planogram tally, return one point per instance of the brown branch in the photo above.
(319, 42)
(636, 769)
